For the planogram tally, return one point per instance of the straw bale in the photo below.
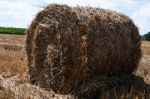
(65, 45)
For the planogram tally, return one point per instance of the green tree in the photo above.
(147, 36)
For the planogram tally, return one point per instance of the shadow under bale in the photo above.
(66, 46)
(113, 87)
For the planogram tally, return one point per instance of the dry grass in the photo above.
(146, 47)
(13, 39)
(144, 67)
(11, 55)
(13, 83)
(12, 62)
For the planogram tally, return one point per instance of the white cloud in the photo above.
(20, 12)
(71, 2)
(142, 18)
(17, 13)
(93, 3)
(144, 11)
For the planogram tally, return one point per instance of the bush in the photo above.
(147, 36)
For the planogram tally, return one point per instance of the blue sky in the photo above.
(19, 13)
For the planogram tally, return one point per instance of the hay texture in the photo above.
(66, 45)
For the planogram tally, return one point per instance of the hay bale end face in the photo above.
(67, 45)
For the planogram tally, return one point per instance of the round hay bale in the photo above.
(66, 45)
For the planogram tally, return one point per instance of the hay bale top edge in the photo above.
(85, 12)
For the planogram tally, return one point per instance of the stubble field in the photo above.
(13, 70)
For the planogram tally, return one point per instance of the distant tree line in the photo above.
(146, 37)
(21, 31)
(12, 30)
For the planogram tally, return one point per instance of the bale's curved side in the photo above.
(30, 35)
(67, 45)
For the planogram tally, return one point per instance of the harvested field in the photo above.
(13, 79)
(13, 72)
(12, 39)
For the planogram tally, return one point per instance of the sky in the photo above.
(20, 13)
